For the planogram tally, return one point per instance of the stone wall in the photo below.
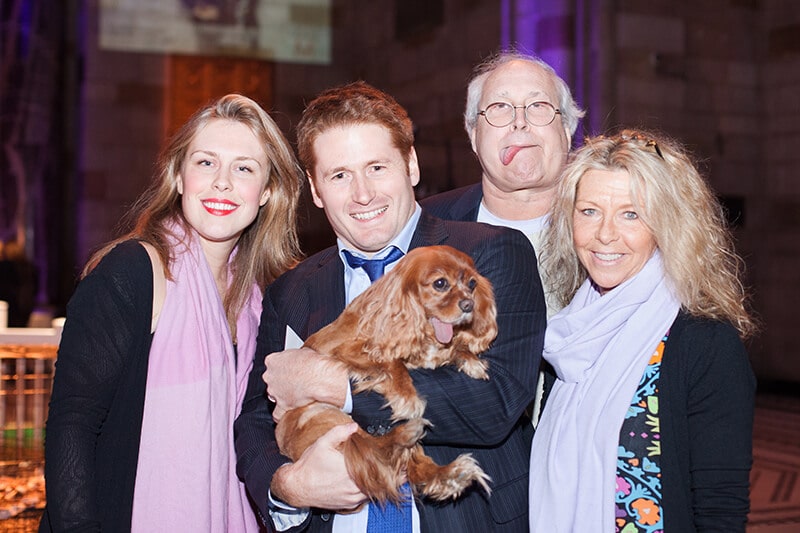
(121, 132)
(721, 75)
(774, 195)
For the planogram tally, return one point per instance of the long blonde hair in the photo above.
(267, 247)
(677, 206)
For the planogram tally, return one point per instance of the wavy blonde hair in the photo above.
(267, 247)
(676, 205)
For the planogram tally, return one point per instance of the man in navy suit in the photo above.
(520, 117)
(356, 144)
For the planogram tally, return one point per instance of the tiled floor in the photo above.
(21, 484)
(775, 483)
(775, 479)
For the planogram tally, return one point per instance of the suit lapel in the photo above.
(325, 285)
(430, 231)
(326, 293)
(466, 208)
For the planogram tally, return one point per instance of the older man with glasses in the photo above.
(520, 118)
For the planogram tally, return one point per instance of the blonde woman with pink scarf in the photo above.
(160, 336)
(648, 427)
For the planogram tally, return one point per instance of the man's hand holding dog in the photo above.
(297, 377)
(319, 478)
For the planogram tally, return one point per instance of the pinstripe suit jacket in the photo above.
(463, 204)
(457, 204)
(485, 418)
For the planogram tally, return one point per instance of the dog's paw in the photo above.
(406, 408)
(455, 478)
(474, 368)
(411, 432)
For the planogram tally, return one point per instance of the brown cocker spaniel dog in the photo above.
(432, 309)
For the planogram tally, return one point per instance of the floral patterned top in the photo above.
(638, 500)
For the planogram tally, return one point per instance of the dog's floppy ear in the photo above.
(393, 301)
(484, 318)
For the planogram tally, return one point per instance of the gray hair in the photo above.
(570, 112)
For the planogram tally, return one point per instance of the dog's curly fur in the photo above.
(432, 309)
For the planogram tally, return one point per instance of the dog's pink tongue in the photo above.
(443, 330)
(508, 154)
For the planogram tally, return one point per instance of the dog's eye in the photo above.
(472, 284)
(441, 285)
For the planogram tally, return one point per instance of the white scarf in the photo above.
(599, 347)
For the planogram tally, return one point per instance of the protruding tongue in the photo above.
(443, 330)
(508, 154)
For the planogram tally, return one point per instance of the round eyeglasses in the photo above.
(501, 114)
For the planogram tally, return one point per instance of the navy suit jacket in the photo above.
(458, 204)
(463, 204)
(484, 418)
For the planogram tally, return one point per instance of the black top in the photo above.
(706, 409)
(96, 409)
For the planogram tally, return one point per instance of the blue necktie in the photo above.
(373, 267)
(390, 518)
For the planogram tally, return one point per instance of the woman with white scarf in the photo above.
(648, 427)
(160, 336)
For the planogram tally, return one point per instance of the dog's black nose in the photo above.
(466, 305)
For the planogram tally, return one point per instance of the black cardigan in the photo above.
(707, 391)
(95, 416)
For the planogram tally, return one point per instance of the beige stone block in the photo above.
(656, 33)
(669, 94)
(742, 73)
(741, 124)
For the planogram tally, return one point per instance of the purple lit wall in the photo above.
(546, 28)
(567, 34)
(720, 75)
(36, 113)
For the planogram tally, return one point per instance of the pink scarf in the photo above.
(186, 475)
(599, 347)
